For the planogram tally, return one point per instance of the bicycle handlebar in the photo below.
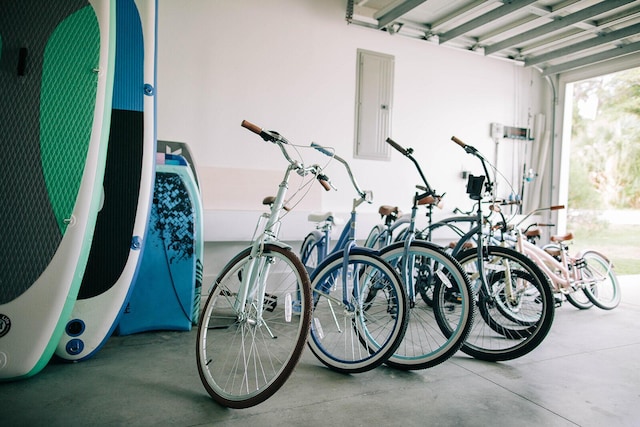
(403, 151)
(253, 128)
(324, 181)
(365, 195)
(323, 150)
(489, 185)
(468, 148)
(458, 141)
(407, 152)
(267, 135)
(550, 208)
(276, 138)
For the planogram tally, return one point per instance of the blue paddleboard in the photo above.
(127, 187)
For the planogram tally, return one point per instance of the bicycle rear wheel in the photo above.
(360, 333)
(310, 251)
(242, 358)
(603, 290)
(425, 344)
(373, 239)
(514, 311)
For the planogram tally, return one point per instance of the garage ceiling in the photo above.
(553, 35)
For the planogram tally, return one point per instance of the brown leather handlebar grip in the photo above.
(557, 207)
(325, 184)
(458, 141)
(253, 128)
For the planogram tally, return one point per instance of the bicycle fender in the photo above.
(279, 244)
(584, 251)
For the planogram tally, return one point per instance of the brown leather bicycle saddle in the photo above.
(562, 238)
(385, 210)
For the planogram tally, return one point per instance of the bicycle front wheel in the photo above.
(602, 288)
(579, 300)
(423, 266)
(247, 347)
(359, 312)
(514, 309)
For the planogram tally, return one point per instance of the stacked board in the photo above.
(127, 187)
(182, 149)
(56, 78)
(164, 296)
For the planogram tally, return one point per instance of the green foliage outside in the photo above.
(617, 242)
(605, 166)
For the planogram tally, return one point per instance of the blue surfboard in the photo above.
(57, 66)
(127, 187)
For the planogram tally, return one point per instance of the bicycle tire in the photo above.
(579, 299)
(232, 376)
(523, 324)
(460, 229)
(426, 289)
(401, 235)
(576, 297)
(516, 340)
(604, 292)
(310, 252)
(373, 239)
(424, 344)
(358, 338)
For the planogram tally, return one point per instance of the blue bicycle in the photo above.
(359, 303)
(420, 265)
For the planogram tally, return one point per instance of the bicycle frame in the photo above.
(386, 236)
(259, 265)
(253, 285)
(563, 278)
(474, 189)
(347, 240)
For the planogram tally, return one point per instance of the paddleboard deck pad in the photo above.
(56, 80)
(128, 186)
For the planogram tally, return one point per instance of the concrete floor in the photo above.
(586, 373)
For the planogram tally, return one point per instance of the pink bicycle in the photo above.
(585, 278)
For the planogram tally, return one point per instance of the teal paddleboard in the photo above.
(56, 80)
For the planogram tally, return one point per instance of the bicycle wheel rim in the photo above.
(579, 299)
(602, 287)
(493, 336)
(362, 337)
(239, 362)
(426, 343)
(310, 252)
(373, 239)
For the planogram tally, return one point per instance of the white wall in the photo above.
(289, 65)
